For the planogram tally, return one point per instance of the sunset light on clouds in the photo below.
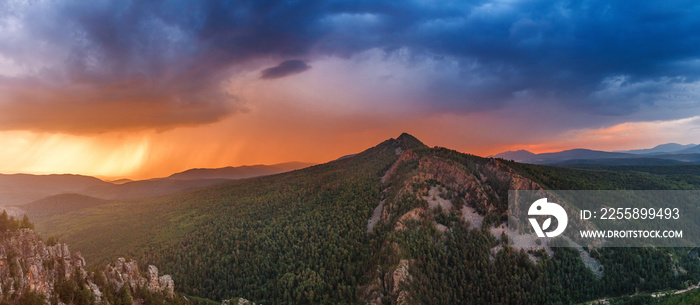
(145, 89)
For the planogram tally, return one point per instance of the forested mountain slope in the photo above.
(398, 223)
(251, 238)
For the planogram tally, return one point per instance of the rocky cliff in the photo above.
(34, 272)
(423, 189)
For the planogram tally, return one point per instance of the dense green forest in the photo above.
(298, 240)
(669, 298)
(301, 237)
(298, 237)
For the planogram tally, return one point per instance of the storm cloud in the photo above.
(285, 68)
(76, 66)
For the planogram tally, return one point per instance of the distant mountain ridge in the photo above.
(20, 189)
(238, 172)
(516, 155)
(663, 148)
(24, 188)
(691, 150)
(661, 155)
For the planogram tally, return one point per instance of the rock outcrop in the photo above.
(239, 301)
(28, 265)
(123, 272)
(401, 277)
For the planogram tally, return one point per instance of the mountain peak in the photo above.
(663, 148)
(518, 155)
(408, 141)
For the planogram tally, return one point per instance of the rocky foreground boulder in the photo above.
(34, 272)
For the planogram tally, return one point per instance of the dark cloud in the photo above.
(285, 68)
(167, 60)
(522, 52)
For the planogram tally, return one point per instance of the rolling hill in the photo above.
(60, 204)
(238, 172)
(661, 149)
(690, 150)
(397, 223)
(19, 189)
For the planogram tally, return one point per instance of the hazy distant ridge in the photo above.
(663, 148)
(238, 172)
(665, 154)
(20, 189)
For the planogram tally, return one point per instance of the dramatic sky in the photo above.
(143, 89)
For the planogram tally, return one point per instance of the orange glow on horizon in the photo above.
(285, 121)
(293, 137)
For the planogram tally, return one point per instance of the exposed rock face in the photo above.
(478, 186)
(239, 301)
(415, 214)
(401, 277)
(152, 277)
(163, 283)
(417, 186)
(28, 264)
(166, 284)
(124, 272)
